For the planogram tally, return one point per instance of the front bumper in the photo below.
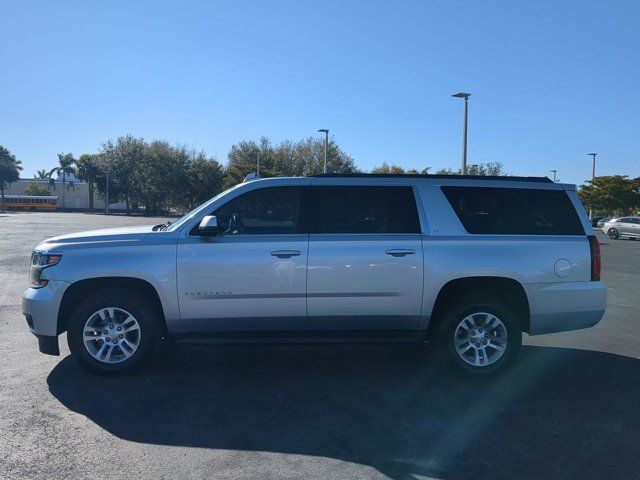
(560, 307)
(40, 307)
(48, 345)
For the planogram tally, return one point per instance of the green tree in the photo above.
(447, 171)
(9, 171)
(64, 168)
(41, 174)
(205, 178)
(615, 194)
(88, 169)
(309, 155)
(392, 169)
(160, 176)
(385, 168)
(478, 169)
(306, 157)
(486, 169)
(243, 160)
(33, 188)
(118, 160)
(414, 171)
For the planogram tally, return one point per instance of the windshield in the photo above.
(200, 208)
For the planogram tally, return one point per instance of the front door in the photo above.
(252, 276)
(365, 267)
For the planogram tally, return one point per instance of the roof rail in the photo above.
(435, 176)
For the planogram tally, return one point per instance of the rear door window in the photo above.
(355, 209)
(514, 211)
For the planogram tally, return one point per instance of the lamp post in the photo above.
(593, 177)
(106, 204)
(464, 128)
(326, 144)
(554, 175)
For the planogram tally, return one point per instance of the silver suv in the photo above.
(467, 264)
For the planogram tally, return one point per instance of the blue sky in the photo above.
(550, 80)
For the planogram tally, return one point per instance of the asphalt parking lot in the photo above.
(568, 409)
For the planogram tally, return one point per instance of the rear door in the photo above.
(365, 267)
(635, 227)
(624, 226)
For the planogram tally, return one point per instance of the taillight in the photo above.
(596, 262)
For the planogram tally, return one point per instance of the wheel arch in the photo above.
(507, 289)
(81, 288)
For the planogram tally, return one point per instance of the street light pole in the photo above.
(106, 205)
(593, 177)
(464, 128)
(554, 175)
(326, 145)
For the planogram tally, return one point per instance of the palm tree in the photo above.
(42, 174)
(9, 171)
(65, 166)
(88, 170)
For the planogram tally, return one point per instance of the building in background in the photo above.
(76, 193)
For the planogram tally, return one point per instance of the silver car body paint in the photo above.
(238, 283)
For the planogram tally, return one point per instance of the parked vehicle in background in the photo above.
(465, 263)
(602, 221)
(622, 227)
(594, 220)
(31, 202)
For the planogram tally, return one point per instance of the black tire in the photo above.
(613, 234)
(144, 311)
(454, 313)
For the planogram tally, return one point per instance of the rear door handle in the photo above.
(400, 252)
(285, 253)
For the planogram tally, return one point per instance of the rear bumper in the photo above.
(560, 307)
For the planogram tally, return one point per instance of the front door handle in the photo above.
(400, 252)
(285, 253)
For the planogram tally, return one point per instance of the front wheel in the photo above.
(613, 234)
(481, 335)
(113, 331)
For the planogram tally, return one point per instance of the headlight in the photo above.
(40, 261)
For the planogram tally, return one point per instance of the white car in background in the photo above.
(622, 227)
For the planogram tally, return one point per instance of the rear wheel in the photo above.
(113, 331)
(613, 234)
(480, 336)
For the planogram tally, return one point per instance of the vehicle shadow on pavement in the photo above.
(558, 413)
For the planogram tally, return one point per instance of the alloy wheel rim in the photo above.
(111, 335)
(480, 339)
(613, 233)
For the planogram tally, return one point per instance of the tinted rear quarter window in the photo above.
(514, 211)
(366, 209)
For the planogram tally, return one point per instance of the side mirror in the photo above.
(208, 225)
